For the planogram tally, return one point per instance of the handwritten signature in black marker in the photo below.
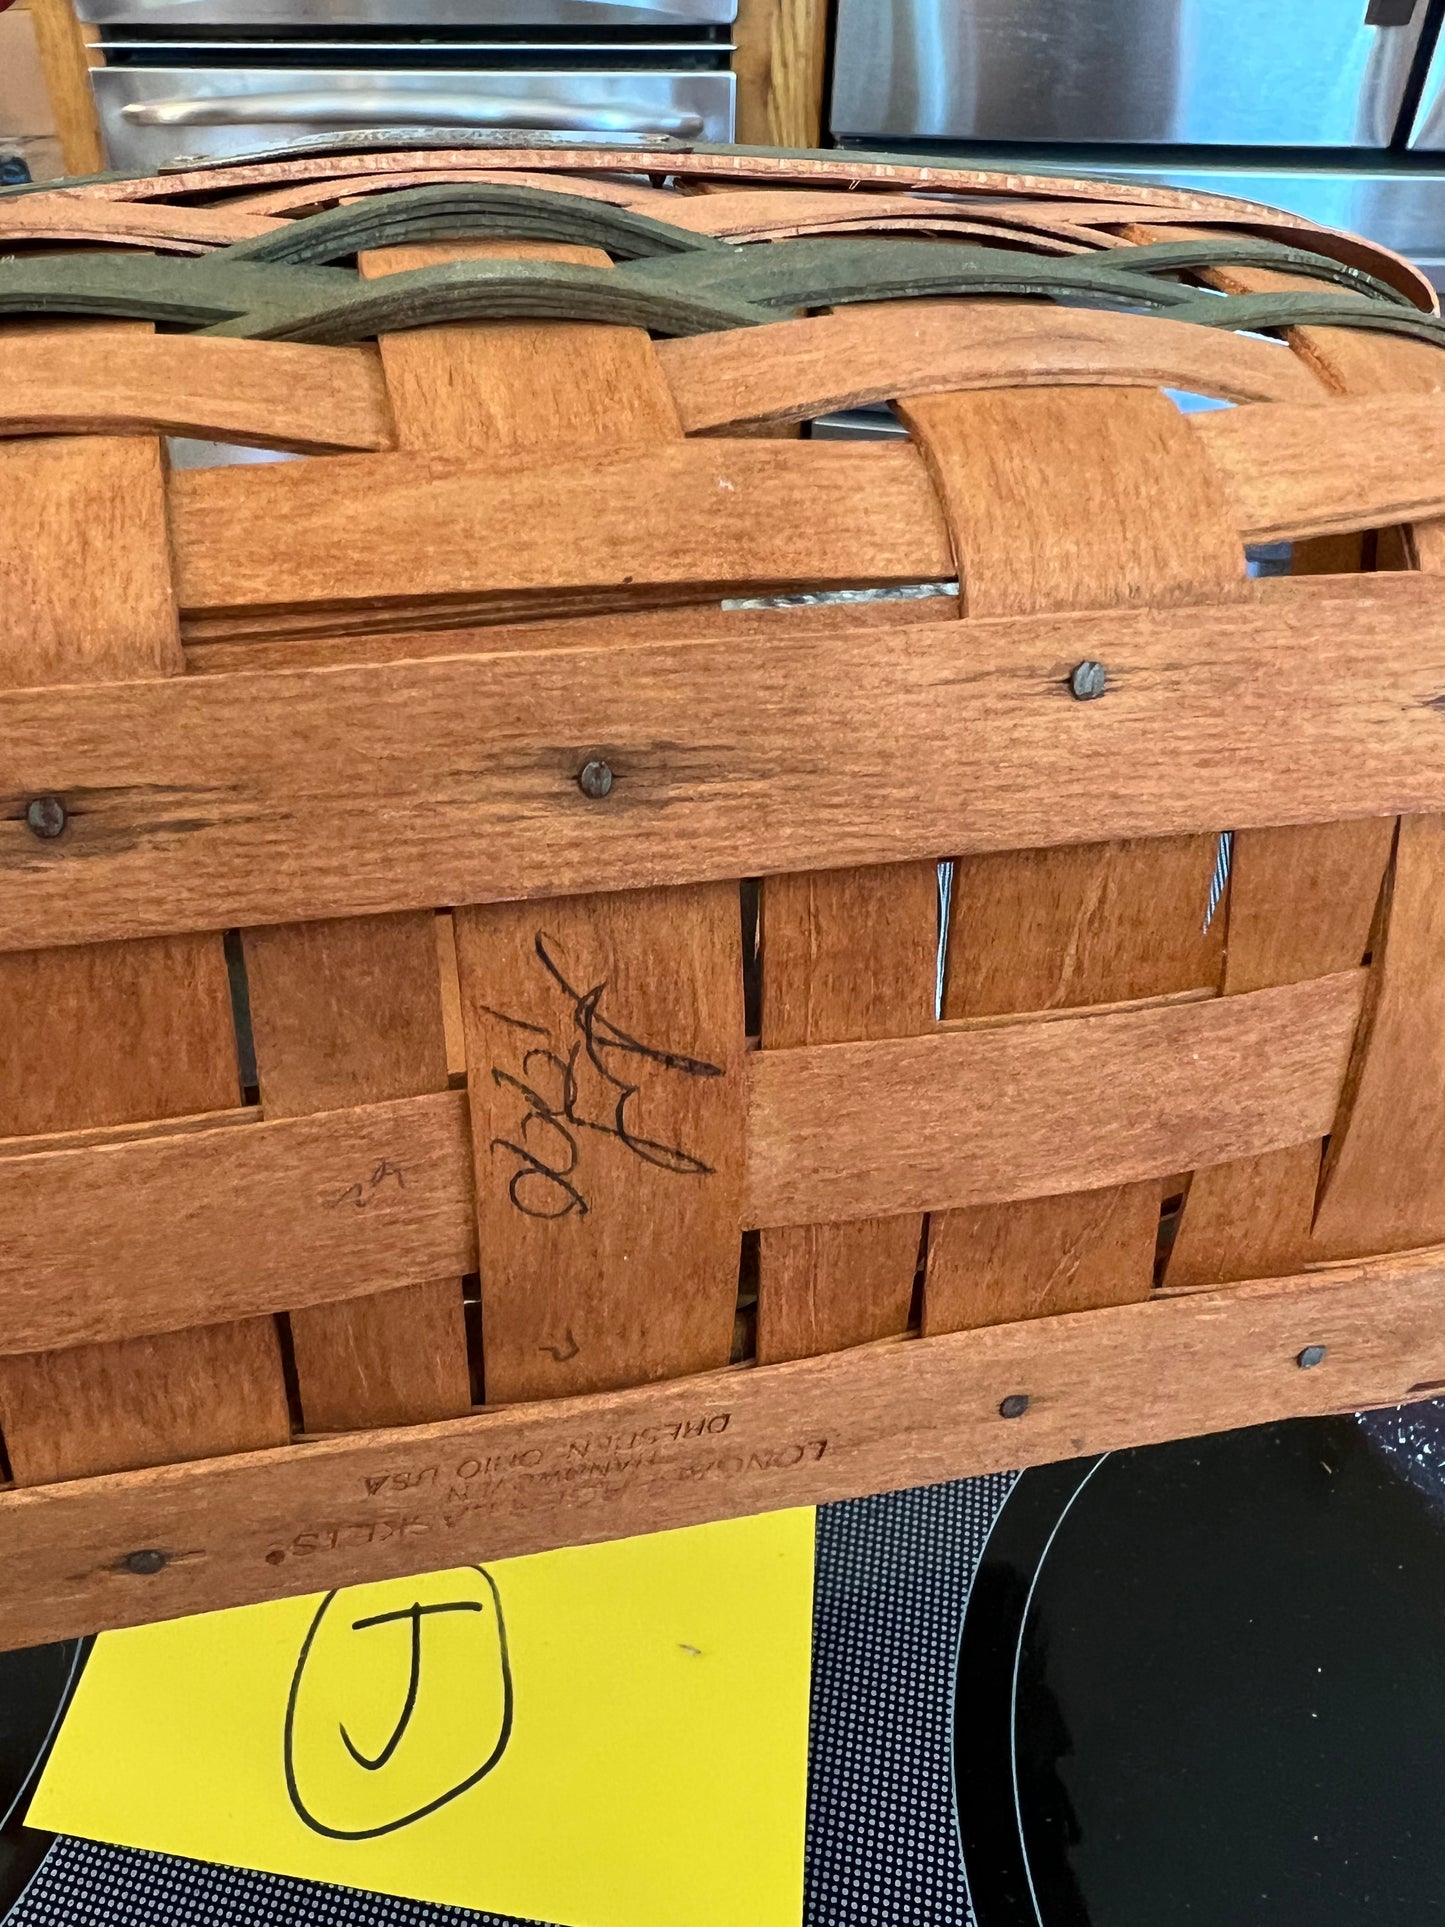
(548, 1145)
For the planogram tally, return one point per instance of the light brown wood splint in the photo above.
(62, 216)
(509, 386)
(1070, 501)
(120, 1032)
(1301, 900)
(603, 1035)
(792, 370)
(846, 955)
(605, 1057)
(340, 707)
(411, 527)
(1330, 466)
(1304, 899)
(748, 214)
(351, 1012)
(1383, 1166)
(853, 1130)
(998, 1263)
(316, 194)
(328, 1208)
(376, 1505)
(742, 617)
(725, 167)
(1384, 1176)
(280, 538)
(265, 394)
(843, 955)
(718, 742)
(1055, 929)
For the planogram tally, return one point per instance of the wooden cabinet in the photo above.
(782, 52)
(46, 108)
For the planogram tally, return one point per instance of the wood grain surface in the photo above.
(845, 955)
(449, 781)
(907, 1412)
(1053, 929)
(1382, 1166)
(1070, 500)
(60, 215)
(1301, 900)
(1324, 468)
(349, 1013)
(338, 708)
(1384, 1178)
(265, 394)
(752, 616)
(792, 370)
(971, 1116)
(118, 1033)
(751, 512)
(604, 1044)
(603, 1034)
(60, 39)
(725, 166)
(1082, 1249)
(512, 387)
(782, 51)
(1306, 899)
(410, 528)
(163, 1230)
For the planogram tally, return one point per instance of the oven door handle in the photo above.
(380, 108)
(668, 12)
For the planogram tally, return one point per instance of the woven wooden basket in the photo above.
(478, 1065)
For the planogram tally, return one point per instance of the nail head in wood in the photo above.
(1014, 1406)
(45, 816)
(147, 1562)
(1311, 1356)
(1088, 682)
(594, 779)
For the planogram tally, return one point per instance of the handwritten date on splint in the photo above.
(578, 1077)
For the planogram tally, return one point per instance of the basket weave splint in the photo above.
(470, 896)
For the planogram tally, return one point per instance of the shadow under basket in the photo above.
(576, 958)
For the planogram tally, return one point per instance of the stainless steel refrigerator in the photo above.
(1335, 108)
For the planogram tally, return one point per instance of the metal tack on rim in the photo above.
(146, 1563)
(45, 817)
(1088, 681)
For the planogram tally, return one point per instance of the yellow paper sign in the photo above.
(607, 1736)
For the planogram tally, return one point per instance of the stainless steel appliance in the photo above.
(158, 113)
(1400, 205)
(642, 15)
(214, 78)
(1334, 109)
(1428, 132)
(1294, 73)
